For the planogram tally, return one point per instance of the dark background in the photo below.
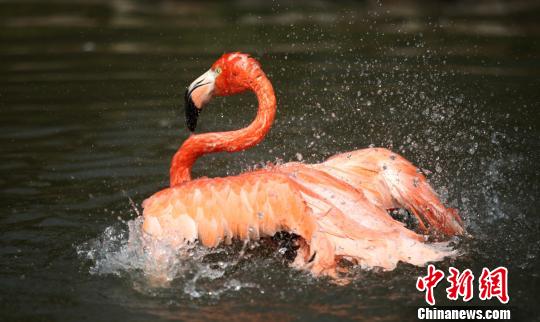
(91, 112)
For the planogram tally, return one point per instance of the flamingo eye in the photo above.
(218, 70)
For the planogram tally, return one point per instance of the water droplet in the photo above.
(89, 46)
(473, 148)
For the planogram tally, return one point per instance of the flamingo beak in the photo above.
(197, 95)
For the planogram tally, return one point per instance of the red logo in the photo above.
(494, 284)
(429, 282)
(461, 284)
(491, 284)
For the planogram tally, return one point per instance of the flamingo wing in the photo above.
(247, 206)
(351, 227)
(391, 181)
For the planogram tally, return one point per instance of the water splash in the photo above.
(154, 267)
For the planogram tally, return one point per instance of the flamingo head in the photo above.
(231, 74)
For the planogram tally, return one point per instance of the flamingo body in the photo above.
(338, 208)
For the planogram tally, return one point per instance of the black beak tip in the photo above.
(192, 112)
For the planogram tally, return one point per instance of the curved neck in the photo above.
(197, 145)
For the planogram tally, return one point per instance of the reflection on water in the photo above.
(91, 98)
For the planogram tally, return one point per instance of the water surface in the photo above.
(91, 114)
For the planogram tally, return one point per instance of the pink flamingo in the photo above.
(337, 208)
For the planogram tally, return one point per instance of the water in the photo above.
(91, 113)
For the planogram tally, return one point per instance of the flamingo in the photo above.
(338, 209)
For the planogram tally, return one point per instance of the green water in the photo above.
(91, 112)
